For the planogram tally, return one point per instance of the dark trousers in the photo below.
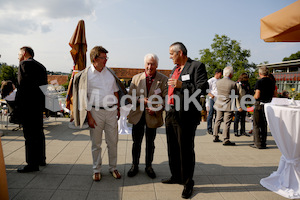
(180, 139)
(259, 126)
(239, 117)
(138, 131)
(34, 139)
(210, 115)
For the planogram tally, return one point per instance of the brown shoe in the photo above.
(97, 177)
(116, 174)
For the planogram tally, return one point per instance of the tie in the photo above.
(175, 75)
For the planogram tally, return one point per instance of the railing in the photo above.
(287, 76)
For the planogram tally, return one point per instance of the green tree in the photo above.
(9, 73)
(226, 52)
(66, 85)
(294, 56)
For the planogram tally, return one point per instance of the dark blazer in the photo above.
(197, 74)
(29, 97)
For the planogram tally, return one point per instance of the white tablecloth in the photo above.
(122, 122)
(284, 123)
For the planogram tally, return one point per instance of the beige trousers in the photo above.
(107, 122)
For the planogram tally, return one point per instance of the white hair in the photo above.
(151, 55)
(228, 71)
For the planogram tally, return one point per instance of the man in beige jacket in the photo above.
(227, 102)
(148, 89)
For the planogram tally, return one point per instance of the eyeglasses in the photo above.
(103, 58)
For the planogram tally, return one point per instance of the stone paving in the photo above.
(221, 172)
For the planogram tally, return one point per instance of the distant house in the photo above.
(57, 79)
(287, 74)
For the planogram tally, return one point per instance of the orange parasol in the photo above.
(78, 53)
(283, 25)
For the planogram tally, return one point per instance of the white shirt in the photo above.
(212, 82)
(11, 96)
(101, 88)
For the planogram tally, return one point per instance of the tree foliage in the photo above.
(226, 52)
(8, 73)
(294, 56)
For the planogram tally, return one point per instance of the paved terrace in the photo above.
(221, 172)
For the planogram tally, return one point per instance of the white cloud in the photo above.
(22, 17)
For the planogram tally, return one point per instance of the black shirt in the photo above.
(266, 87)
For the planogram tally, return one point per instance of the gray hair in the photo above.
(177, 46)
(228, 71)
(151, 55)
(263, 70)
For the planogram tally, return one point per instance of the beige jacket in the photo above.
(80, 95)
(224, 102)
(159, 87)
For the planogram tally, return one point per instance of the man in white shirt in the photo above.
(212, 82)
(96, 98)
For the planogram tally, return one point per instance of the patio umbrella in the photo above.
(283, 25)
(78, 53)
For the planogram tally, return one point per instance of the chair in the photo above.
(10, 115)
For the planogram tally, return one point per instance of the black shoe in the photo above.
(187, 191)
(228, 143)
(28, 168)
(209, 132)
(256, 147)
(237, 135)
(150, 172)
(169, 181)
(42, 164)
(217, 139)
(133, 171)
(245, 134)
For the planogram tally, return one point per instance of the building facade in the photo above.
(287, 75)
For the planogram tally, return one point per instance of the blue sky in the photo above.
(129, 29)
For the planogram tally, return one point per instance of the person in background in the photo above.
(8, 93)
(145, 120)
(285, 94)
(264, 91)
(8, 90)
(271, 76)
(243, 87)
(30, 104)
(224, 106)
(187, 76)
(212, 94)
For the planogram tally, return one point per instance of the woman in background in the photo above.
(8, 91)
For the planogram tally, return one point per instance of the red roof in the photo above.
(128, 73)
(57, 79)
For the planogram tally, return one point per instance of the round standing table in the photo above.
(284, 123)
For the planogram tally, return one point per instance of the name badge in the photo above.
(157, 91)
(185, 77)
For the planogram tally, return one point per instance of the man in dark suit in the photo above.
(30, 104)
(188, 79)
